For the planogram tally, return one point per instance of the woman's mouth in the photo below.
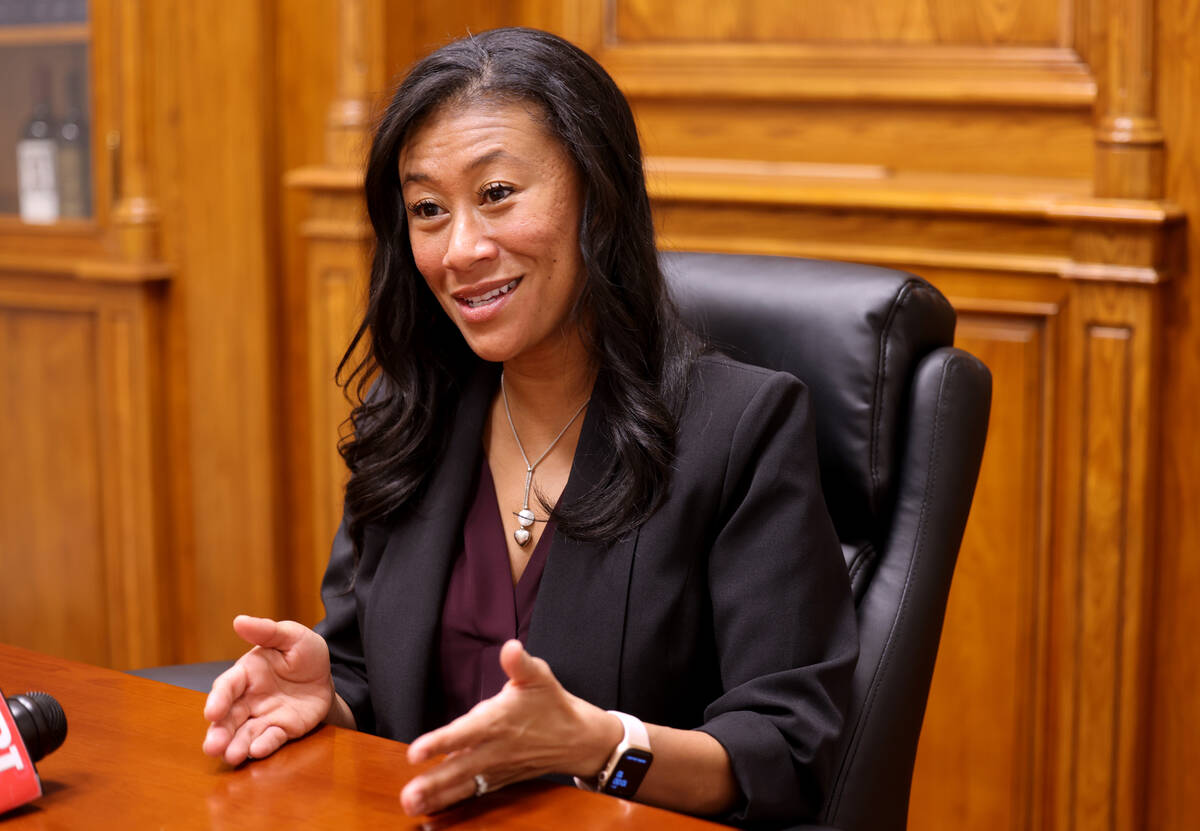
(490, 296)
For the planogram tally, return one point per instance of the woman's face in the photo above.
(493, 204)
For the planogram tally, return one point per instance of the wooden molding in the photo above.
(1036, 76)
(674, 179)
(325, 178)
(870, 214)
(337, 229)
(92, 270)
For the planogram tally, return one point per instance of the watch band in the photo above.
(628, 763)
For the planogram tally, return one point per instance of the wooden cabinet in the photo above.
(138, 364)
(81, 425)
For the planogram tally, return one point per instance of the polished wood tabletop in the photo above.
(132, 760)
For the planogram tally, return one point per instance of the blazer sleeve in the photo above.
(342, 632)
(783, 614)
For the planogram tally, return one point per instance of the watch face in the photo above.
(629, 773)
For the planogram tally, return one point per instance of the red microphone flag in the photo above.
(19, 781)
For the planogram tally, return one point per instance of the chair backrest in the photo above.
(901, 417)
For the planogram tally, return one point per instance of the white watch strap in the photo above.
(636, 735)
(635, 731)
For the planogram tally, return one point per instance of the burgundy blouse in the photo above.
(483, 608)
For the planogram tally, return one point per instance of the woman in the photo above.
(544, 464)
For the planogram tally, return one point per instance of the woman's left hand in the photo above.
(531, 727)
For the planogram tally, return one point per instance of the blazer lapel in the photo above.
(410, 583)
(578, 620)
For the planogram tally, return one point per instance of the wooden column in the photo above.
(135, 214)
(336, 236)
(1129, 140)
(1106, 542)
(131, 373)
(1105, 556)
(347, 127)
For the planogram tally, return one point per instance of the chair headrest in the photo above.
(852, 333)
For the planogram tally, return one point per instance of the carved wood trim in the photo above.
(1039, 76)
(691, 229)
(872, 186)
(98, 270)
(1106, 558)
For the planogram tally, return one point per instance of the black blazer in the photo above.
(729, 610)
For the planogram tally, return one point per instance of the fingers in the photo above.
(450, 782)
(422, 798)
(262, 631)
(521, 667)
(287, 644)
(246, 743)
(227, 688)
(240, 737)
(216, 740)
(487, 718)
(527, 729)
(268, 742)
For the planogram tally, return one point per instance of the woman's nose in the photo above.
(469, 242)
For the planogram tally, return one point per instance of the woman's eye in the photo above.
(424, 209)
(494, 192)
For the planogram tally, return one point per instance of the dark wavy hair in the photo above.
(407, 385)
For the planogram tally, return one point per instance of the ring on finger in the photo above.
(481, 785)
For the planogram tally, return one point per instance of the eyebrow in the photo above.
(485, 159)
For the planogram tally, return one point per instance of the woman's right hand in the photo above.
(279, 690)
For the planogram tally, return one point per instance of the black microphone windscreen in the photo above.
(41, 721)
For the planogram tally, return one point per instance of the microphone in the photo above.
(31, 726)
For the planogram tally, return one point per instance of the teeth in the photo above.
(491, 295)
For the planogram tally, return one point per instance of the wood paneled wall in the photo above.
(168, 425)
(1011, 153)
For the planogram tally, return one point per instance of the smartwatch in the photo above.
(628, 764)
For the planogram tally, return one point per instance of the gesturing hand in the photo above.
(531, 727)
(279, 690)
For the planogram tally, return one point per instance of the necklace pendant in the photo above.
(525, 517)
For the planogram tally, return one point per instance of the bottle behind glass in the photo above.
(37, 157)
(74, 173)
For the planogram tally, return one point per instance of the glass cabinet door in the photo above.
(45, 111)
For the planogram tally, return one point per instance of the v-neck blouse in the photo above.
(482, 608)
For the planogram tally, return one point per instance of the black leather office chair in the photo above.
(901, 418)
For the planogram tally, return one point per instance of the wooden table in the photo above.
(132, 760)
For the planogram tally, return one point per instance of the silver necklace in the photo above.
(525, 517)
